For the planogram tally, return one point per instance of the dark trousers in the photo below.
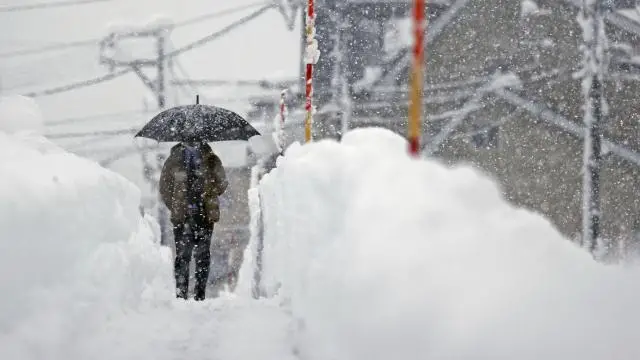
(187, 238)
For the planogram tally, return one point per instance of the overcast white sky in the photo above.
(263, 48)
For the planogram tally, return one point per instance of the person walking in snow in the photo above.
(192, 178)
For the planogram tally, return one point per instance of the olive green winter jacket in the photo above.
(173, 184)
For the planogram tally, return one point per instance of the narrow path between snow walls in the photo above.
(380, 256)
(82, 275)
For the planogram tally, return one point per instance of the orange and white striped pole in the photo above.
(416, 79)
(311, 57)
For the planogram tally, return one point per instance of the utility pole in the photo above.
(162, 99)
(161, 77)
(591, 19)
(342, 90)
(158, 87)
(339, 104)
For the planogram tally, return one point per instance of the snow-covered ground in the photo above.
(380, 256)
(82, 275)
(369, 254)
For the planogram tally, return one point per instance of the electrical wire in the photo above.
(220, 13)
(50, 48)
(92, 133)
(182, 70)
(74, 120)
(221, 32)
(96, 41)
(180, 89)
(219, 82)
(48, 5)
(80, 84)
(193, 45)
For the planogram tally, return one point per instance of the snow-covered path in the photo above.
(225, 328)
(82, 274)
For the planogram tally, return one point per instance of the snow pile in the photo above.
(76, 319)
(381, 256)
(74, 249)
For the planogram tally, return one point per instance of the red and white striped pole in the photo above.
(415, 104)
(311, 57)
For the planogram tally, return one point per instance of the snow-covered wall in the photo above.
(72, 240)
(386, 257)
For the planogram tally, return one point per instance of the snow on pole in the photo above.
(595, 61)
(283, 108)
(310, 57)
(278, 135)
(415, 104)
(256, 231)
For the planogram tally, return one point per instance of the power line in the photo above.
(222, 32)
(79, 85)
(73, 120)
(220, 82)
(93, 133)
(50, 48)
(95, 41)
(47, 5)
(214, 15)
(181, 88)
(113, 75)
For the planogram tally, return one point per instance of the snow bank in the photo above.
(113, 282)
(385, 257)
(74, 248)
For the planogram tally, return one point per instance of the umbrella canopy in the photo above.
(197, 122)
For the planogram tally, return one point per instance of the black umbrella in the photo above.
(197, 122)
